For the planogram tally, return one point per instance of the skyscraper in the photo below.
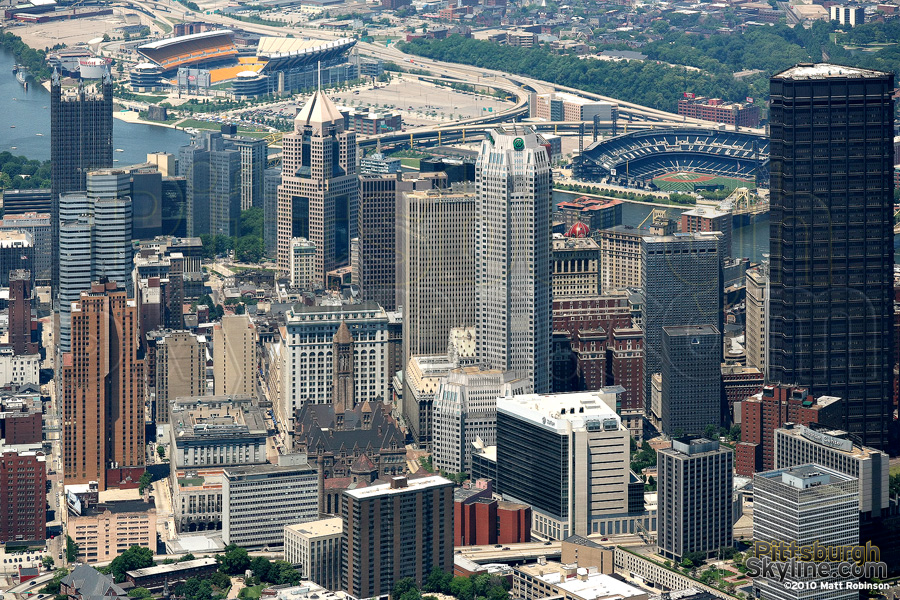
(234, 356)
(512, 248)
(832, 252)
(318, 195)
(81, 139)
(102, 388)
(180, 370)
(691, 379)
(254, 155)
(20, 320)
(681, 276)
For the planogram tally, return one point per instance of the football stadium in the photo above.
(284, 64)
(678, 159)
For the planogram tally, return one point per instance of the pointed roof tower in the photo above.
(319, 111)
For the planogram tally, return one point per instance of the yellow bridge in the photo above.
(744, 202)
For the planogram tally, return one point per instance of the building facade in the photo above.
(691, 379)
(315, 547)
(106, 530)
(235, 355)
(576, 266)
(620, 257)
(38, 225)
(180, 370)
(513, 297)
(23, 496)
(831, 306)
(756, 331)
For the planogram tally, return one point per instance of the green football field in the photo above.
(685, 182)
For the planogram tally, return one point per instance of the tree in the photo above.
(220, 580)
(52, 586)
(186, 558)
(403, 586)
(283, 573)
(48, 562)
(161, 450)
(144, 482)
(139, 593)
(438, 581)
(696, 558)
(462, 588)
(135, 557)
(260, 566)
(106, 37)
(234, 561)
(71, 550)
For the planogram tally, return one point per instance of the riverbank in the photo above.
(129, 116)
(629, 200)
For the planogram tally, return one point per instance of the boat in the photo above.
(12, 126)
(39, 134)
(15, 69)
(20, 76)
(119, 150)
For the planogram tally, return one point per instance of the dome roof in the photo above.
(579, 230)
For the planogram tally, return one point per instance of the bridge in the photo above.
(744, 202)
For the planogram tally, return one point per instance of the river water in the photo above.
(30, 113)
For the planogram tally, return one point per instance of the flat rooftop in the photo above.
(318, 528)
(554, 411)
(387, 489)
(827, 71)
(173, 568)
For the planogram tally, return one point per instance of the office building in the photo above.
(23, 328)
(38, 226)
(315, 547)
(709, 219)
(421, 379)
(105, 530)
(625, 361)
(23, 496)
(756, 330)
(225, 190)
(695, 495)
(303, 272)
(235, 356)
(207, 434)
(271, 181)
(165, 163)
(213, 168)
(566, 455)
(691, 379)
(465, 410)
(193, 166)
(848, 15)
(435, 278)
(102, 389)
(512, 245)
(736, 114)
(562, 106)
(597, 213)
(146, 200)
(831, 305)
(775, 406)
(180, 370)
(318, 195)
(21, 418)
(620, 257)
(378, 164)
(254, 155)
(19, 369)
(798, 445)
(20, 202)
(682, 282)
(260, 500)
(571, 581)
(16, 253)
(738, 383)
(378, 523)
(576, 264)
(380, 214)
(806, 504)
(174, 217)
(308, 363)
(81, 140)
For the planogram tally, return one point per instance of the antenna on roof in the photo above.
(319, 71)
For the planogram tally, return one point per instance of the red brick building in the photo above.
(762, 414)
(625, 364)
(604, 311)
(20, 419)
(481, 520)
(738, 384)
(22, 328)
(716, 110)
(23, 496)
(708, 218)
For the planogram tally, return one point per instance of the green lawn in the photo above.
(895, 469)
(688, 186)
(411, 162)
(251, 593)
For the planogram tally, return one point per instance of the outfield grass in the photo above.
(688, 186)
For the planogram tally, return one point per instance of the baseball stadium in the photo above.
(678, 160)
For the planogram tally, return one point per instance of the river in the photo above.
(30, 113)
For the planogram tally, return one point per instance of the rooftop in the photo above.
(400, 485)
(826, 71)
(594, 411)
(172, 568)
(320, 527)
(217, 416)
(833, 439)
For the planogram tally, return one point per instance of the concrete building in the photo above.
(165, 163)
(303, 265)
(709, 219)
(563, 106)
(180, 370)
(569, 581)
(378, 523)
(235, 355)
(254, 153)
(805, 504)
(81, 140)
(576, 265)
(775, 406)
(512, 245)
(19, 370)
(308, 356)
(848, 15)
(315, 547)
(16, 254)
(208, 434)
(435, 271)
(822, 351)
(260, 500)
(691, 379)
(465, 410)
(682, 283)
(38, 225)
(20, 202)
(695, 495)
(102, 388)
(620, 257)
(318, 195)
(756, 331)
(107, 529)
(421, 378)
(23, 496)
(270, 209)
(566, 455)
(798, 445)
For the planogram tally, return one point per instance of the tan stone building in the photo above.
(108, 529)
(620, 262)
(180, 370)
(576, 267)
(102, 389)
(757, 318)
(234, 356)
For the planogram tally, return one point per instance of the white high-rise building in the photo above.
(465, 409)
(512, 249)
(94, 240)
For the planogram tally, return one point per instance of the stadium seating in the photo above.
(190, 49)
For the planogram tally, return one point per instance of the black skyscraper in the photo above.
(81, 140)
(832, 242)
